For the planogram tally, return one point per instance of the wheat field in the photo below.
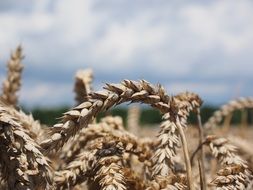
(80, 152)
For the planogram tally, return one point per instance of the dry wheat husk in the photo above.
(235, 173)
(103, 129)
(83, 80)
(171, 182)
(23, 164)
(101, 165)
(76, 172)
(176, 109)
(12, 83)
(238, 104)
(80, 116)
(36, 129)
(169, 136)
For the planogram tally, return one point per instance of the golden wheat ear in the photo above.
(235, 173)
(108, 127)
(12, 83)
(177, 182)
(175, 110)
(76, 172)
(22, 163)
(83, 85)
(227, 109)
(35, 129)
(171, 134)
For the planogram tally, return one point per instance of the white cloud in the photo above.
(226, 24)
(169, 40)
(46, 94)
(200, 88)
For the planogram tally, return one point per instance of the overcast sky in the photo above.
(200, 46)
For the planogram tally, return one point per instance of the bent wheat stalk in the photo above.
(80, 116)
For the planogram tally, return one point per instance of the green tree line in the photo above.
(148, 115)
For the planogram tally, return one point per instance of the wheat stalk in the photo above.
(12, 83)
(133, 117)
(202, 156)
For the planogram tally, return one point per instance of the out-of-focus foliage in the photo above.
(148, 116)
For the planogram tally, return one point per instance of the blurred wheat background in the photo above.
(72, 73)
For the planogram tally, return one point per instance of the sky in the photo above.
(204, 47)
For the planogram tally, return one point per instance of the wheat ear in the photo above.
(35, 128)
(243, 144)
(235, 173)
(110, 174)
(227, 109)
(24, 166)
(172, 182)
(80, 116)
(12, 83)
(132, 143)
(83, 80)
(170, 134)
(76, 172)
(75, 146)
(128, 90)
